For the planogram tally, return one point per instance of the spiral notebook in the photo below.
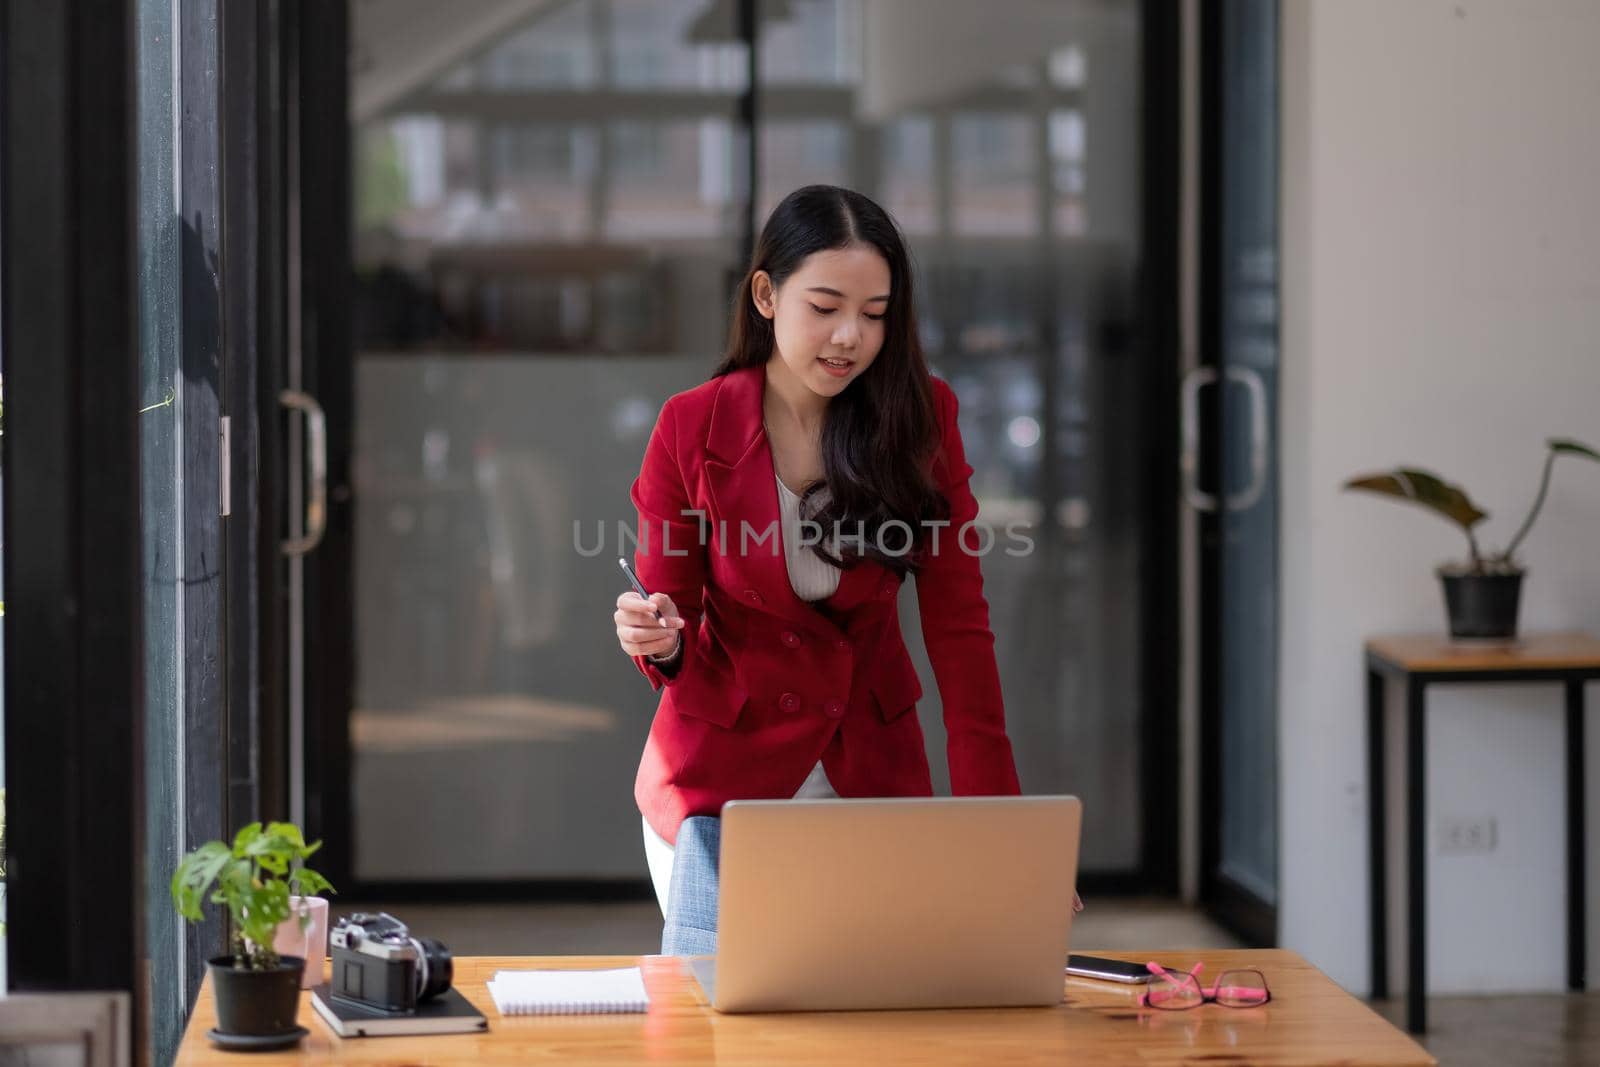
(569, 992)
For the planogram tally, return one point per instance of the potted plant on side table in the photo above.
(257, 991)
(1481, 594)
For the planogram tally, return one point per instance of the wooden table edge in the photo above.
(1553, 651)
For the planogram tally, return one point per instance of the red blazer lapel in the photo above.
(744, 490)
(744, 493)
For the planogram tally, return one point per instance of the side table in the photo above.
(1423, 660)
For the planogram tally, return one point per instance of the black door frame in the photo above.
(267, 107)
(1159, 347)
(1225, 900)
(295, 116)
(326, 178)
(323, 190)
(74, 560)
(74, 693)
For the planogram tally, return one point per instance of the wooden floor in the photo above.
(1524, 1031)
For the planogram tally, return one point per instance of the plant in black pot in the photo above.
(257, 991)
(1481, 594)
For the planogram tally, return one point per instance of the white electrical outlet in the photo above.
(1464, 834)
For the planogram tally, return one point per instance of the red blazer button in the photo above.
(834, 709)
(752, 596)
(842, 645)
(791, 639)
(789, 702)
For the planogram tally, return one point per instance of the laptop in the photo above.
(949, 902)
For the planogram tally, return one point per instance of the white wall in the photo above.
(1441, 180)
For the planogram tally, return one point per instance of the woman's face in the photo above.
(827, 317)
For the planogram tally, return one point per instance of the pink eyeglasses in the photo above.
(1178, 990)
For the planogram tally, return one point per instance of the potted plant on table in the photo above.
(257, 991)
(1481, 594)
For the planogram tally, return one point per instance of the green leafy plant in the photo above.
(254, 878)
(1451, 501)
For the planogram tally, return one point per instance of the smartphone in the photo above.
(638, 586)
(1107, 970)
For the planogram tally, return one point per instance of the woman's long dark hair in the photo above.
(878, 433)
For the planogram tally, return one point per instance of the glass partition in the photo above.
(549, 229)
(1016, 181)
(546, 234)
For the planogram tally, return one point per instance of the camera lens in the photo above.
(438, 969)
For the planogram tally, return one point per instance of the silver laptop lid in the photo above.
(895, 903)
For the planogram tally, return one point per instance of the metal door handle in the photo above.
(1189, 458)
(316, 519)
(1257, 390)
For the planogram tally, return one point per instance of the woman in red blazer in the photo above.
(823, 408)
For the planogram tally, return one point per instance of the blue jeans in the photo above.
(690, 928)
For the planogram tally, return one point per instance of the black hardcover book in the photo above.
(447, 1013)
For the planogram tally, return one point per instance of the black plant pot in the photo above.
(256, 1003)
(1482, 606)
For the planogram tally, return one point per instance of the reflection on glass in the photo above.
(996, 174)
(810, 42)
(522, 217)
(673, 44)
(671, 180)
(801, 152)
(552, 53)
(513, 226)
(907, 189)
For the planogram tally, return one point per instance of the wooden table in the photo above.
(1310, 1021)
(1421, 660)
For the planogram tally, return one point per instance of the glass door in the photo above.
(1019, 174)
(550, 206)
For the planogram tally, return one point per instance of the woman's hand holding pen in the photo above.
(647, 627)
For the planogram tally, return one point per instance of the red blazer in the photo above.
(768, 684)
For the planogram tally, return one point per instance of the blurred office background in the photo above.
(550, 215)
(552, 205)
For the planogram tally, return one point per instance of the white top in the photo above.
(811, 577)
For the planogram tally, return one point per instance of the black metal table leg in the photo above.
(1572, 660)
(1416, 856)
(1576, 931)
(1377, 813)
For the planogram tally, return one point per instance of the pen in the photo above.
(638, 586)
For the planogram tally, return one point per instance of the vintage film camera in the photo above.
(377, 963)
